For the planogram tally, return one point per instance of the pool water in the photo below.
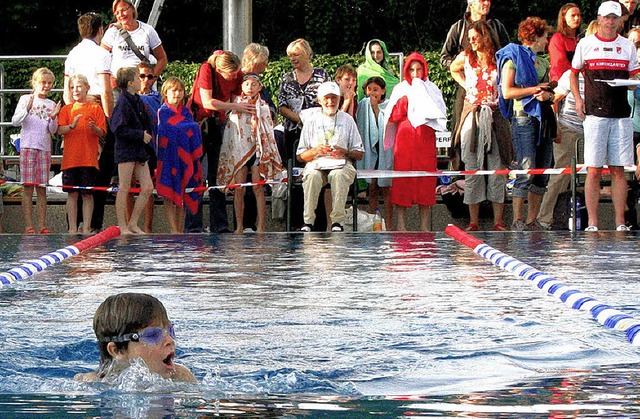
(329, 325)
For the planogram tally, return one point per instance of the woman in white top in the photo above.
(144, 36)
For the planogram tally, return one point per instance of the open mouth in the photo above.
(168, 361)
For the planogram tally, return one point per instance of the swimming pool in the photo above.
(330, 325)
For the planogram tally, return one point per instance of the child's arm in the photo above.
(22, 110)
(63, 129)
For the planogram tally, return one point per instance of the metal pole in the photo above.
(574, 201)
(237, 21)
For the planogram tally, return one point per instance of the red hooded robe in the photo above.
(414, 149)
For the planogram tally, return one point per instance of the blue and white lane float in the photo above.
(571, 296)
(34, 266)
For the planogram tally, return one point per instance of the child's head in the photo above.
(89, 25)
(375, 88)
(42, 81)
(127, 78)
(79, 87)
(133, 325)
(147, 76)
(251, 84)
(346, 77)
(225, 63)
(173, 91)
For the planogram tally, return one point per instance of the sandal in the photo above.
(472, 227)
(499, 227)
(45, 230)
(30, 230)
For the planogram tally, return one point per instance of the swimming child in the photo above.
(179, 154)
(38, 117)
(249, 143)
(81, 123)
(132, 326)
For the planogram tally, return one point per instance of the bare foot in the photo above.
(239, 231)
(73, 231)
(124, 231)
(136, 230)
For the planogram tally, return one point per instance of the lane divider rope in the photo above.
(604, 314)
(32, 267)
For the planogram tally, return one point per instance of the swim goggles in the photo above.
(148, 336)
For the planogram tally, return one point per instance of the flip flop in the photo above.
(45, 230)
(30, 230)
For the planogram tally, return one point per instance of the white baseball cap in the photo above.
(328, 88)
(610, 8)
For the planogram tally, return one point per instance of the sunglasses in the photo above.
(148, 336)
(147, 76)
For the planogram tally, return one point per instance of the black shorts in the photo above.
(80, 176)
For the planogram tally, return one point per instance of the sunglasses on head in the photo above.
(147, 76)
(148, 336)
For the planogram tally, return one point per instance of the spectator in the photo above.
(562, 45)
(131, 41)
(329, 143)
(633, 18)
(346, 78)
(526, 98)
(81, 123)
(376, 64)
(88, 59)
(131, 126)
(483, 132)
(456, 42)
(415, 111)
(249, 144)
(217, 83)
(38, 118)
(370, 121)
(179, 154)
(607, 126)
(298, 91)
(152, 101)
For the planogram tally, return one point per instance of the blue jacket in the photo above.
(526, 76)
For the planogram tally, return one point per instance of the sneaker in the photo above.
(591, 228)
(535, 226)
(337, 227)
(518, 225)
(472, 227)
(306, 228)
(623, 227)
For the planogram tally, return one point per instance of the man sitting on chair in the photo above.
(329, 144)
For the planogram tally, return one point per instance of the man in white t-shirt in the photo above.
(608, 127)
(92, 61)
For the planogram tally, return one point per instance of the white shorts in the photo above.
(608, 141)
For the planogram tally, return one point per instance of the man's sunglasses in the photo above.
(147, 76)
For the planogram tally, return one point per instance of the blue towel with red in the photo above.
(179, 153)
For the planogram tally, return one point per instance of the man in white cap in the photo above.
(329, 144)
(608, 128)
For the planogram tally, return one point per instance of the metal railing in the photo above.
(5, 119)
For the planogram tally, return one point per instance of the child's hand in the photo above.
(147, 137)
(76, 119)
(56, 110)
(31, 96)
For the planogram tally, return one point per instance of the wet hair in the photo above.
(125, 75)
(224, 61)
(531, 29)
(122, 314)
(89, 25)
(375, 80)
(129, 2)
(171, 83)
(488, 39)
(562, 27)
(81, 78)
(346, 69)
(254, 54)
(39, 74)
(302, 44)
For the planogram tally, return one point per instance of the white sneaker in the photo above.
(306, 228)
(591, 228)
(623, 227)
(336, 227)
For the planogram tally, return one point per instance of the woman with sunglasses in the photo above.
(132, 326)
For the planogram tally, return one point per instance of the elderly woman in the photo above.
(526, 98)
(143, 36)
(416, 110)
(298, 90)
(376, 64)
(483, 133)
